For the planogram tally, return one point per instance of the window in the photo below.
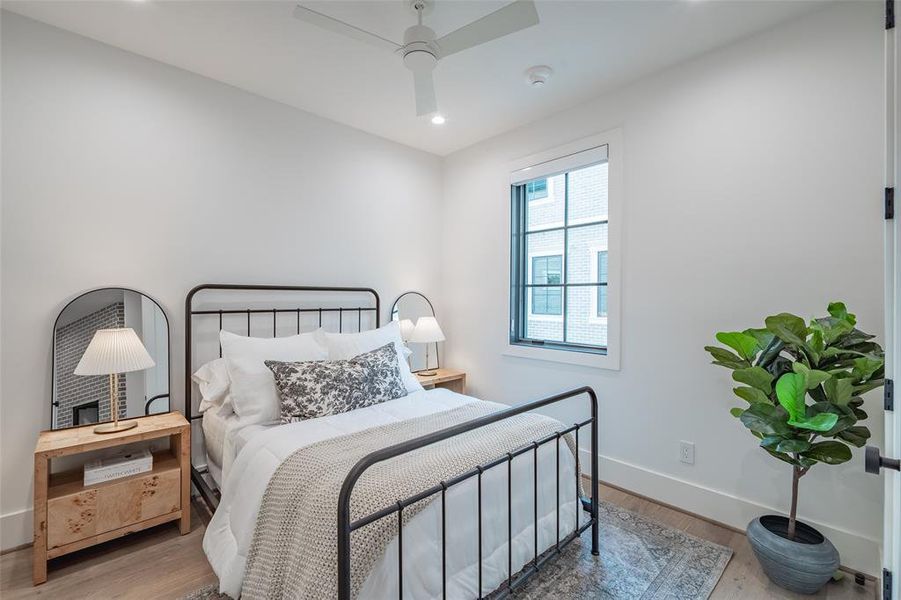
(536, 190)
(559, 254)
(602, 279)
(547, 270)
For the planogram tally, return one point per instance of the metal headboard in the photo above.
(219, 311)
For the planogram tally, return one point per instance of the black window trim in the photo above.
(519, 287)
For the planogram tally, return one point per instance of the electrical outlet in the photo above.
(687, 452)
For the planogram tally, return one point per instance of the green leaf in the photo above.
(756, 377)
(751, 395)
(857, 435)
(838, 311)
(736, 412)
(820, 422)
(764, 337)
(831, 452)
(770, 351)
(724, 358)
(790, 459)
(791, 390)
(816, 341)
(793, 446)
(788, 328)
(771, 441)
(838, 390)
(846, 417)
(816, 378)
(744, 344)
(865, 367)
(812, 377)
(765, 419)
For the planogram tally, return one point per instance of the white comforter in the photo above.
(230, 532)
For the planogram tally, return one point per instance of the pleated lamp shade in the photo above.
(427, 331)
(406, 329)
(114, 351)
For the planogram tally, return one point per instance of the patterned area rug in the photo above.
(640, 559)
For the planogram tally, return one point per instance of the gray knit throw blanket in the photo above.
(293, 554)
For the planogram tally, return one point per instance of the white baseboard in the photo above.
(859, 553)
(16, 528)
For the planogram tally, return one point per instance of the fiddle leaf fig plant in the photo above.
(802, 386)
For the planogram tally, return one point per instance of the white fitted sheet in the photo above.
(229, 534)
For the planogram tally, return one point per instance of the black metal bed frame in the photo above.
(345, 526)
(209, 495)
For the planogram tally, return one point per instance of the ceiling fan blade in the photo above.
(518, 15)
(308, 15)
(424, 88)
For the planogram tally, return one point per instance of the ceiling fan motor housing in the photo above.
(419, 51)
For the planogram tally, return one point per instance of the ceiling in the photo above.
(258, 46)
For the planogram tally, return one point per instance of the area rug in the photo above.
(640, 559)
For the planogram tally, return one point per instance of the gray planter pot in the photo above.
(803, 565)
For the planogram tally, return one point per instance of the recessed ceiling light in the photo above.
(538, 75)
(438, 120)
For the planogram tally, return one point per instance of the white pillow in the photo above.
(344, 346)
(255, 398)
(213, 383)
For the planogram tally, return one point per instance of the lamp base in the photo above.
(429, 373)
(113, 428)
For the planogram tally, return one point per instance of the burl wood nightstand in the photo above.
(69, 516)
(451, 379)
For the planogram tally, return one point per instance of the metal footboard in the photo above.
(346, 526)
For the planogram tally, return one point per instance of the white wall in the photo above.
(753, 182)
(118, 170)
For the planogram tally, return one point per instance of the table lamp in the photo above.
(426, 332)
(406, 329)
(114, 351)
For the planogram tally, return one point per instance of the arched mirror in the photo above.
(79, 399)
(408, 309)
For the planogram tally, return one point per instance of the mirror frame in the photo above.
(393, 316)
(53, 347)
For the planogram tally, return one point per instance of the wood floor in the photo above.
(159, 564)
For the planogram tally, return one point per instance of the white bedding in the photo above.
(229, 534)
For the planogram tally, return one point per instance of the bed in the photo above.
(436, 494)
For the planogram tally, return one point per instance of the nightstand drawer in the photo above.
(76, 512)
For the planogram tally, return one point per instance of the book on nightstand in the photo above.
(117, 466)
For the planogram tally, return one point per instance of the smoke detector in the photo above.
(538, 76)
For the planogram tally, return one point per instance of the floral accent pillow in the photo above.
(320, 388)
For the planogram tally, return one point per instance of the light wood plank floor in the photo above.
(159, 564)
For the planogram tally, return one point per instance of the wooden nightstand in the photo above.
(69, 516)
(451, 379)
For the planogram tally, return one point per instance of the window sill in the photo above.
(609, 361)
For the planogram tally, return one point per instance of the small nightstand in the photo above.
(69, 516)
(451, 379)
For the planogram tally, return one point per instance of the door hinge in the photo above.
(886, 584)
(889, 203)
(888, 392)
(889, 14)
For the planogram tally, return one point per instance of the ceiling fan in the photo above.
(421, 50)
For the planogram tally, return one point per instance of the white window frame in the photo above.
(565, 158)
